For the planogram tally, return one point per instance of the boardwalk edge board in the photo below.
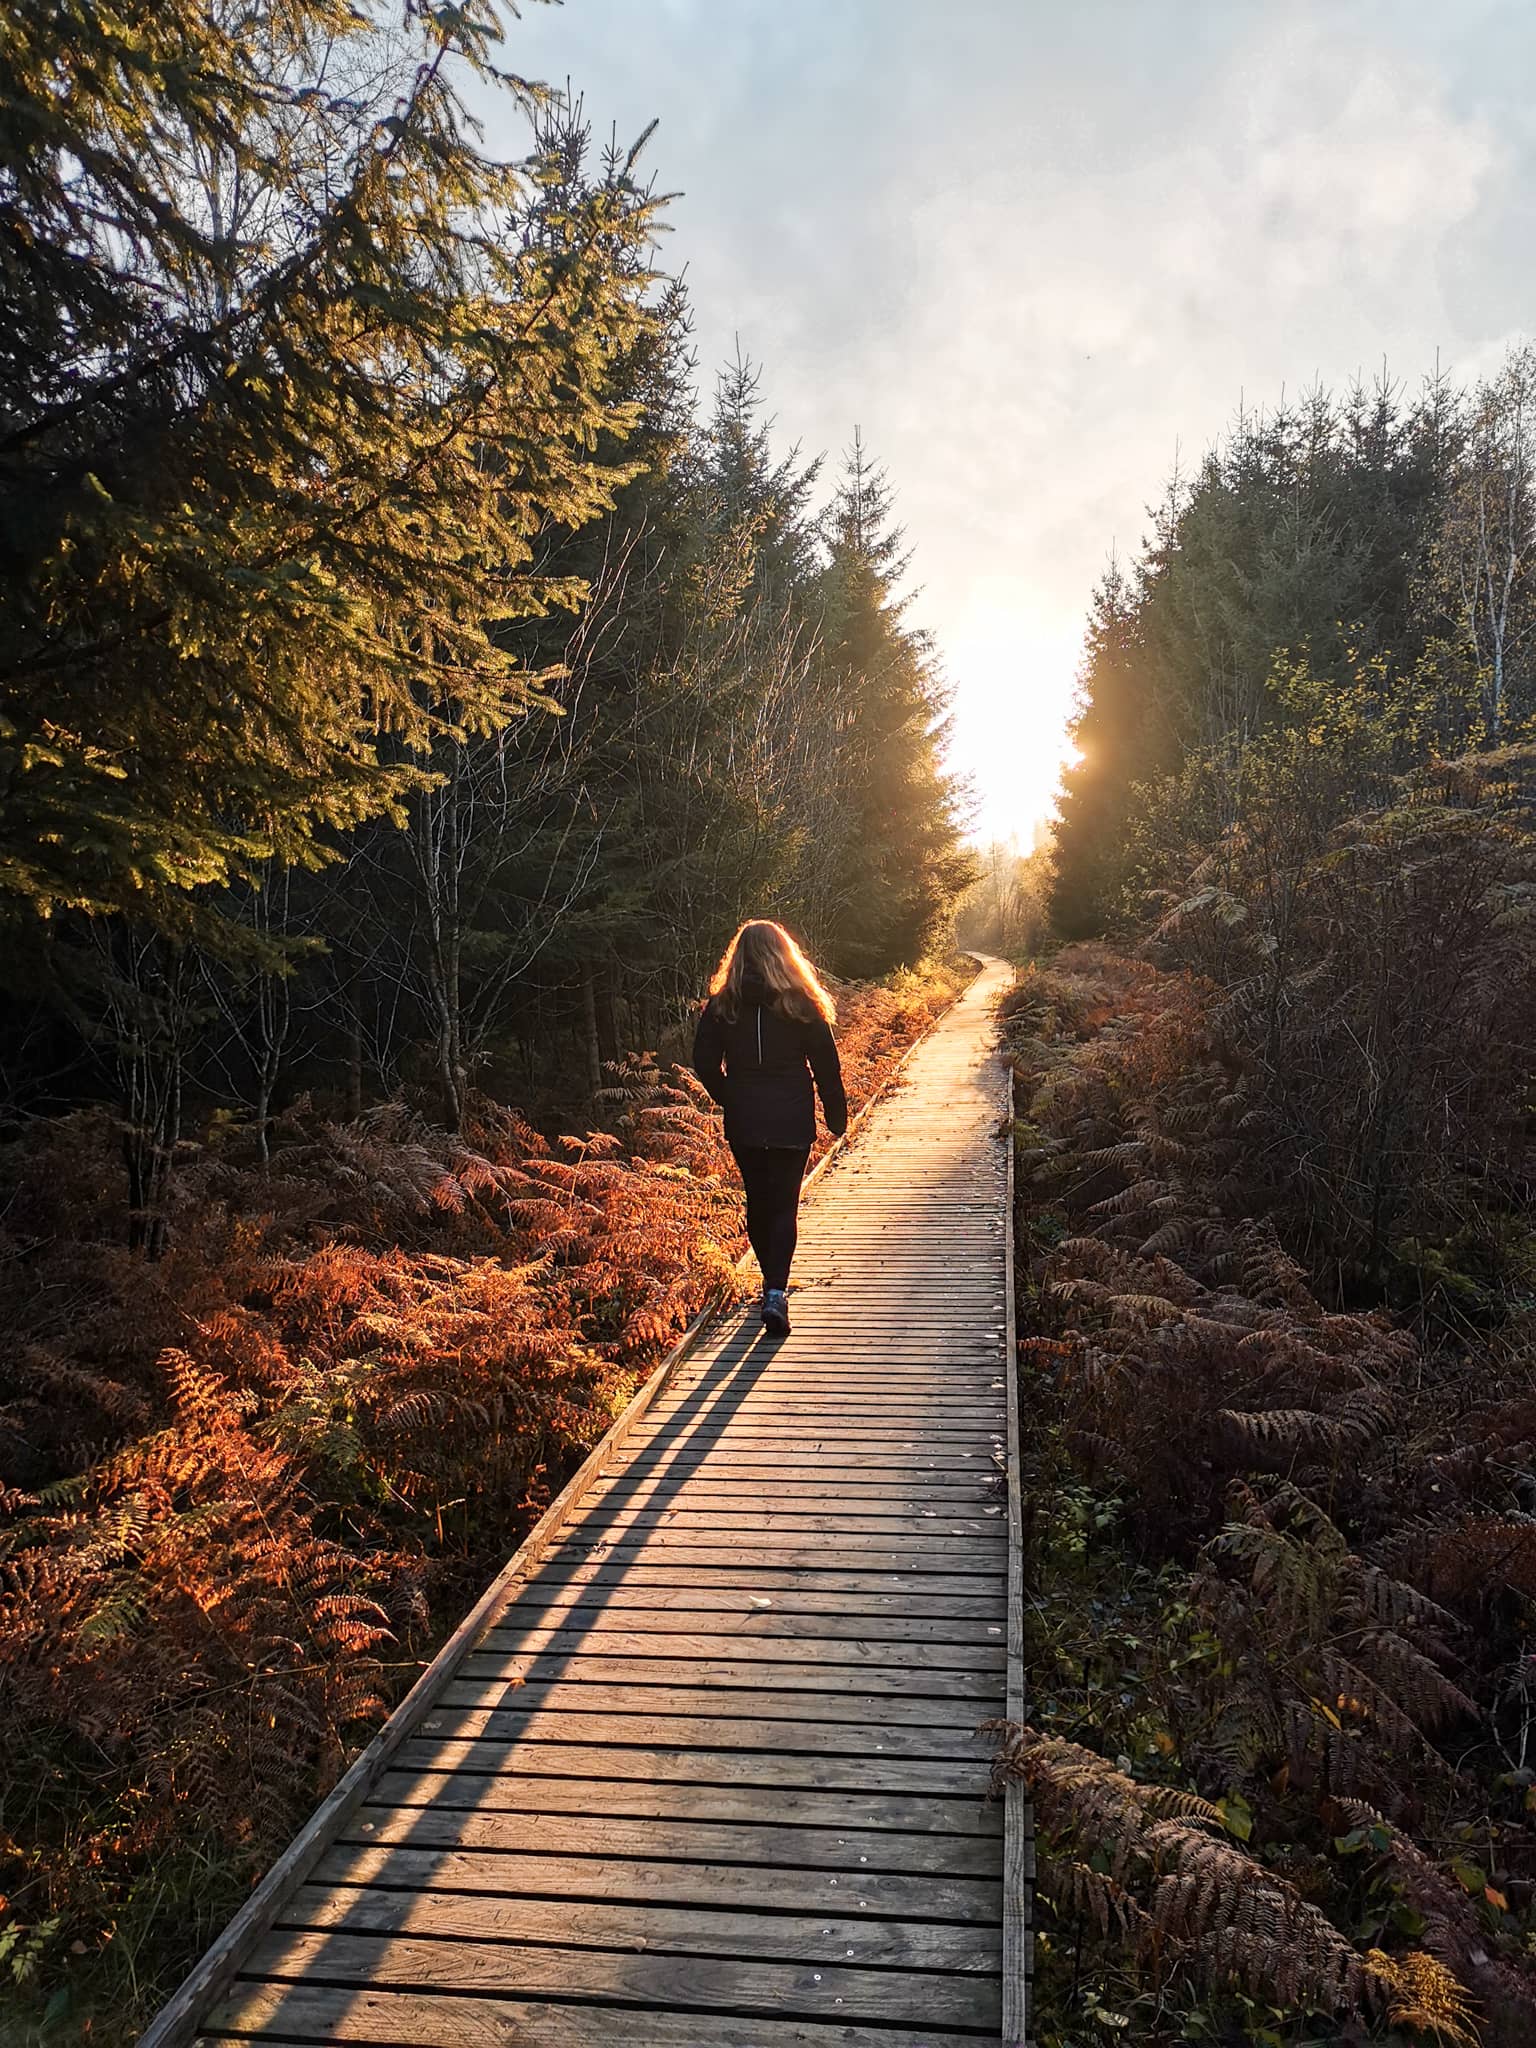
(1018, 1817)
(177, 2023)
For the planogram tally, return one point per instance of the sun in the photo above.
(1014, 679)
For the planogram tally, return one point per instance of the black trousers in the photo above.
(771, 1175)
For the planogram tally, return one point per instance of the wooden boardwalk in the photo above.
(712, 1777)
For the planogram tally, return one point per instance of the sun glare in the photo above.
(1014, 685)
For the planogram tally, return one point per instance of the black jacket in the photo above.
(759, 1070)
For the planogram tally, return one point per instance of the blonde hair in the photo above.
(767, 951)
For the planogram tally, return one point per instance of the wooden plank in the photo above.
(779, 1426)
(819, 1361)
(964, 1473)
(917, 1635)
(831, 1383)
(958, 1340)
(821, 1769)
(690, 1503)
(898, 1306)
(817, 1494)
(898, 1249)
(754, 1642)
(776, 1555)
(864, 1310)
(865, 1360)
(859, 1364)
(820, 1496)
(961, 1357)
(878, 1401)
(832, 1390)
(570, 1840)
(608, 1589)
(964, 1264)
(875, 1400)
(861, 1340)
(714, 1521)
(864, 1304)
(628, 1703)
(964, 1467)
(884, 1423)
(962, 1259)
(971, 1361)
(972, 1556)
(861, 1348)
(952, 1309)
(869, 1735)
(664, 1930)
(923, 1680)
(739, 1887)
(886, 1448)
(645, 1799)
(959, 1362)
(960, 1460)
(771, 1573)
(385, 2019)
(804, 1435)
(960, 1484)
(967, 1486)
(522, 1970)
(876, 1410)
(968, 1479)
(792, 1538)
(788, 1430)
(702, 1588)
(963, 1351)
(866, 1364)
(863, 1222)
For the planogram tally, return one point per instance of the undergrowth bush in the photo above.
(246, 1485)
(1285, 1549)
(1370, 938)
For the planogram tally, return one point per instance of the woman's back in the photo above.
(765, 1031)
(759, 1062)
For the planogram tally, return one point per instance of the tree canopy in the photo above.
(293, 376)
(1336, 533)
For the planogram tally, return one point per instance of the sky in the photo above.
(1039, 253)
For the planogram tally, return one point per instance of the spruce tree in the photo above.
(1305, 536)
(884, 710)
(292, 376)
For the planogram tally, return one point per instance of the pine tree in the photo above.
(884, 710)
(1089, 840)
(1304, 537)
(292, 376)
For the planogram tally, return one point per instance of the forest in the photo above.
(1277, 1150)
(408, 680)
(414, 664)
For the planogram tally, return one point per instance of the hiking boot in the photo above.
(776, 1311)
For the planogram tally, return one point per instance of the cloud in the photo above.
(1032, 250)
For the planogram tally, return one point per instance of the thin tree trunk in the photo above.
(594, 1051)
(354, 1062)
(151, 1133)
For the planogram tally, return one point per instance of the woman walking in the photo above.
(764, 1033)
